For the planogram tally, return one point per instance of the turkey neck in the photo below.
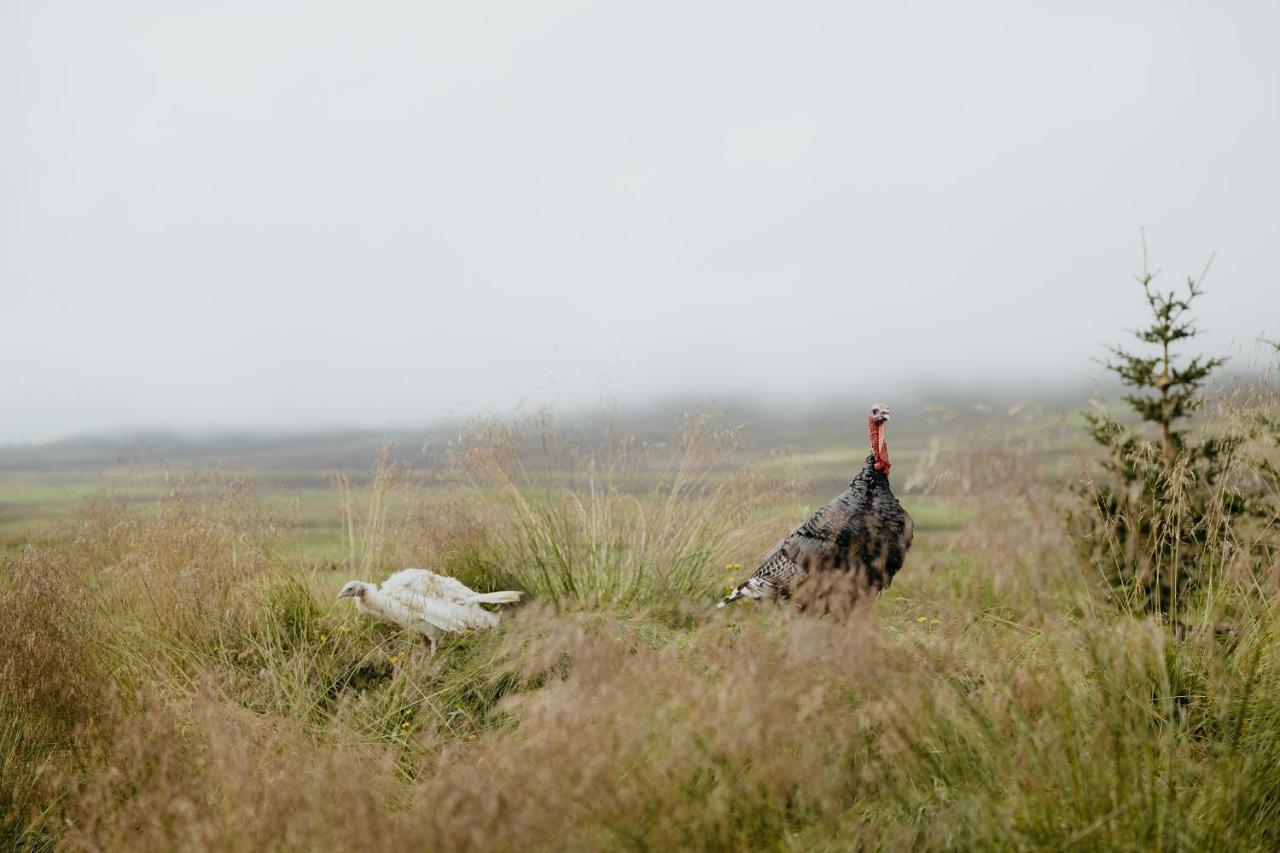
(374, 603)
(879, 447)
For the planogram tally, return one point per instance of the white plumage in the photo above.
(431, 604)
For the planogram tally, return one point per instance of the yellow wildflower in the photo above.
(395, 659)
(405, 724)
(921, 619)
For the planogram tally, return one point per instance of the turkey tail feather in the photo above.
(507, 597)
(753, 589)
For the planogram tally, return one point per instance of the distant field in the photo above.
(43, 486)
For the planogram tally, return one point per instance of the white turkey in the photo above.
(430, 604)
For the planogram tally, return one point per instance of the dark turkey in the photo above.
(848, 548)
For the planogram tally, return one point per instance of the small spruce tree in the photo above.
(1148, 524)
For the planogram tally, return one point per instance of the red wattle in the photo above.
(879, 447)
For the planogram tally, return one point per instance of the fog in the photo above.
(292, 215)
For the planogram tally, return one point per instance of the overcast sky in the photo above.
(305, 214)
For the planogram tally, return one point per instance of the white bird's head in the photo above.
(355, 589)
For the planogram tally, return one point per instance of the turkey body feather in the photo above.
(861, 536)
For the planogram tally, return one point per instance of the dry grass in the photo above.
(623, 523)
(172, 679)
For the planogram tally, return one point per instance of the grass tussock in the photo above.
(621, 523)
(177, 676)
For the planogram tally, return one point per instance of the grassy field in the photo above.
(179, 675)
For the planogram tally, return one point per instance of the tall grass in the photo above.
(990, 700)
(621, 523)
(366, 535)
